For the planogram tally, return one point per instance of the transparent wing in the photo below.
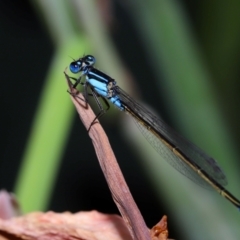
(195, 154)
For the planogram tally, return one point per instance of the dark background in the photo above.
(26, 51)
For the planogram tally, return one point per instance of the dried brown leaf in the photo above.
(111, 170)
(8, 205)
(83, 225)
(160, 231)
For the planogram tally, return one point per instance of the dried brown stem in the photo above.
(115, 180)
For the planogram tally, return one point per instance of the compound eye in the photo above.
(75, 66)
(90, 60)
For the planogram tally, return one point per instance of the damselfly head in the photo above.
(76, 66)
(89, 60)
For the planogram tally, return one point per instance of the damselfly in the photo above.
(183, 155)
